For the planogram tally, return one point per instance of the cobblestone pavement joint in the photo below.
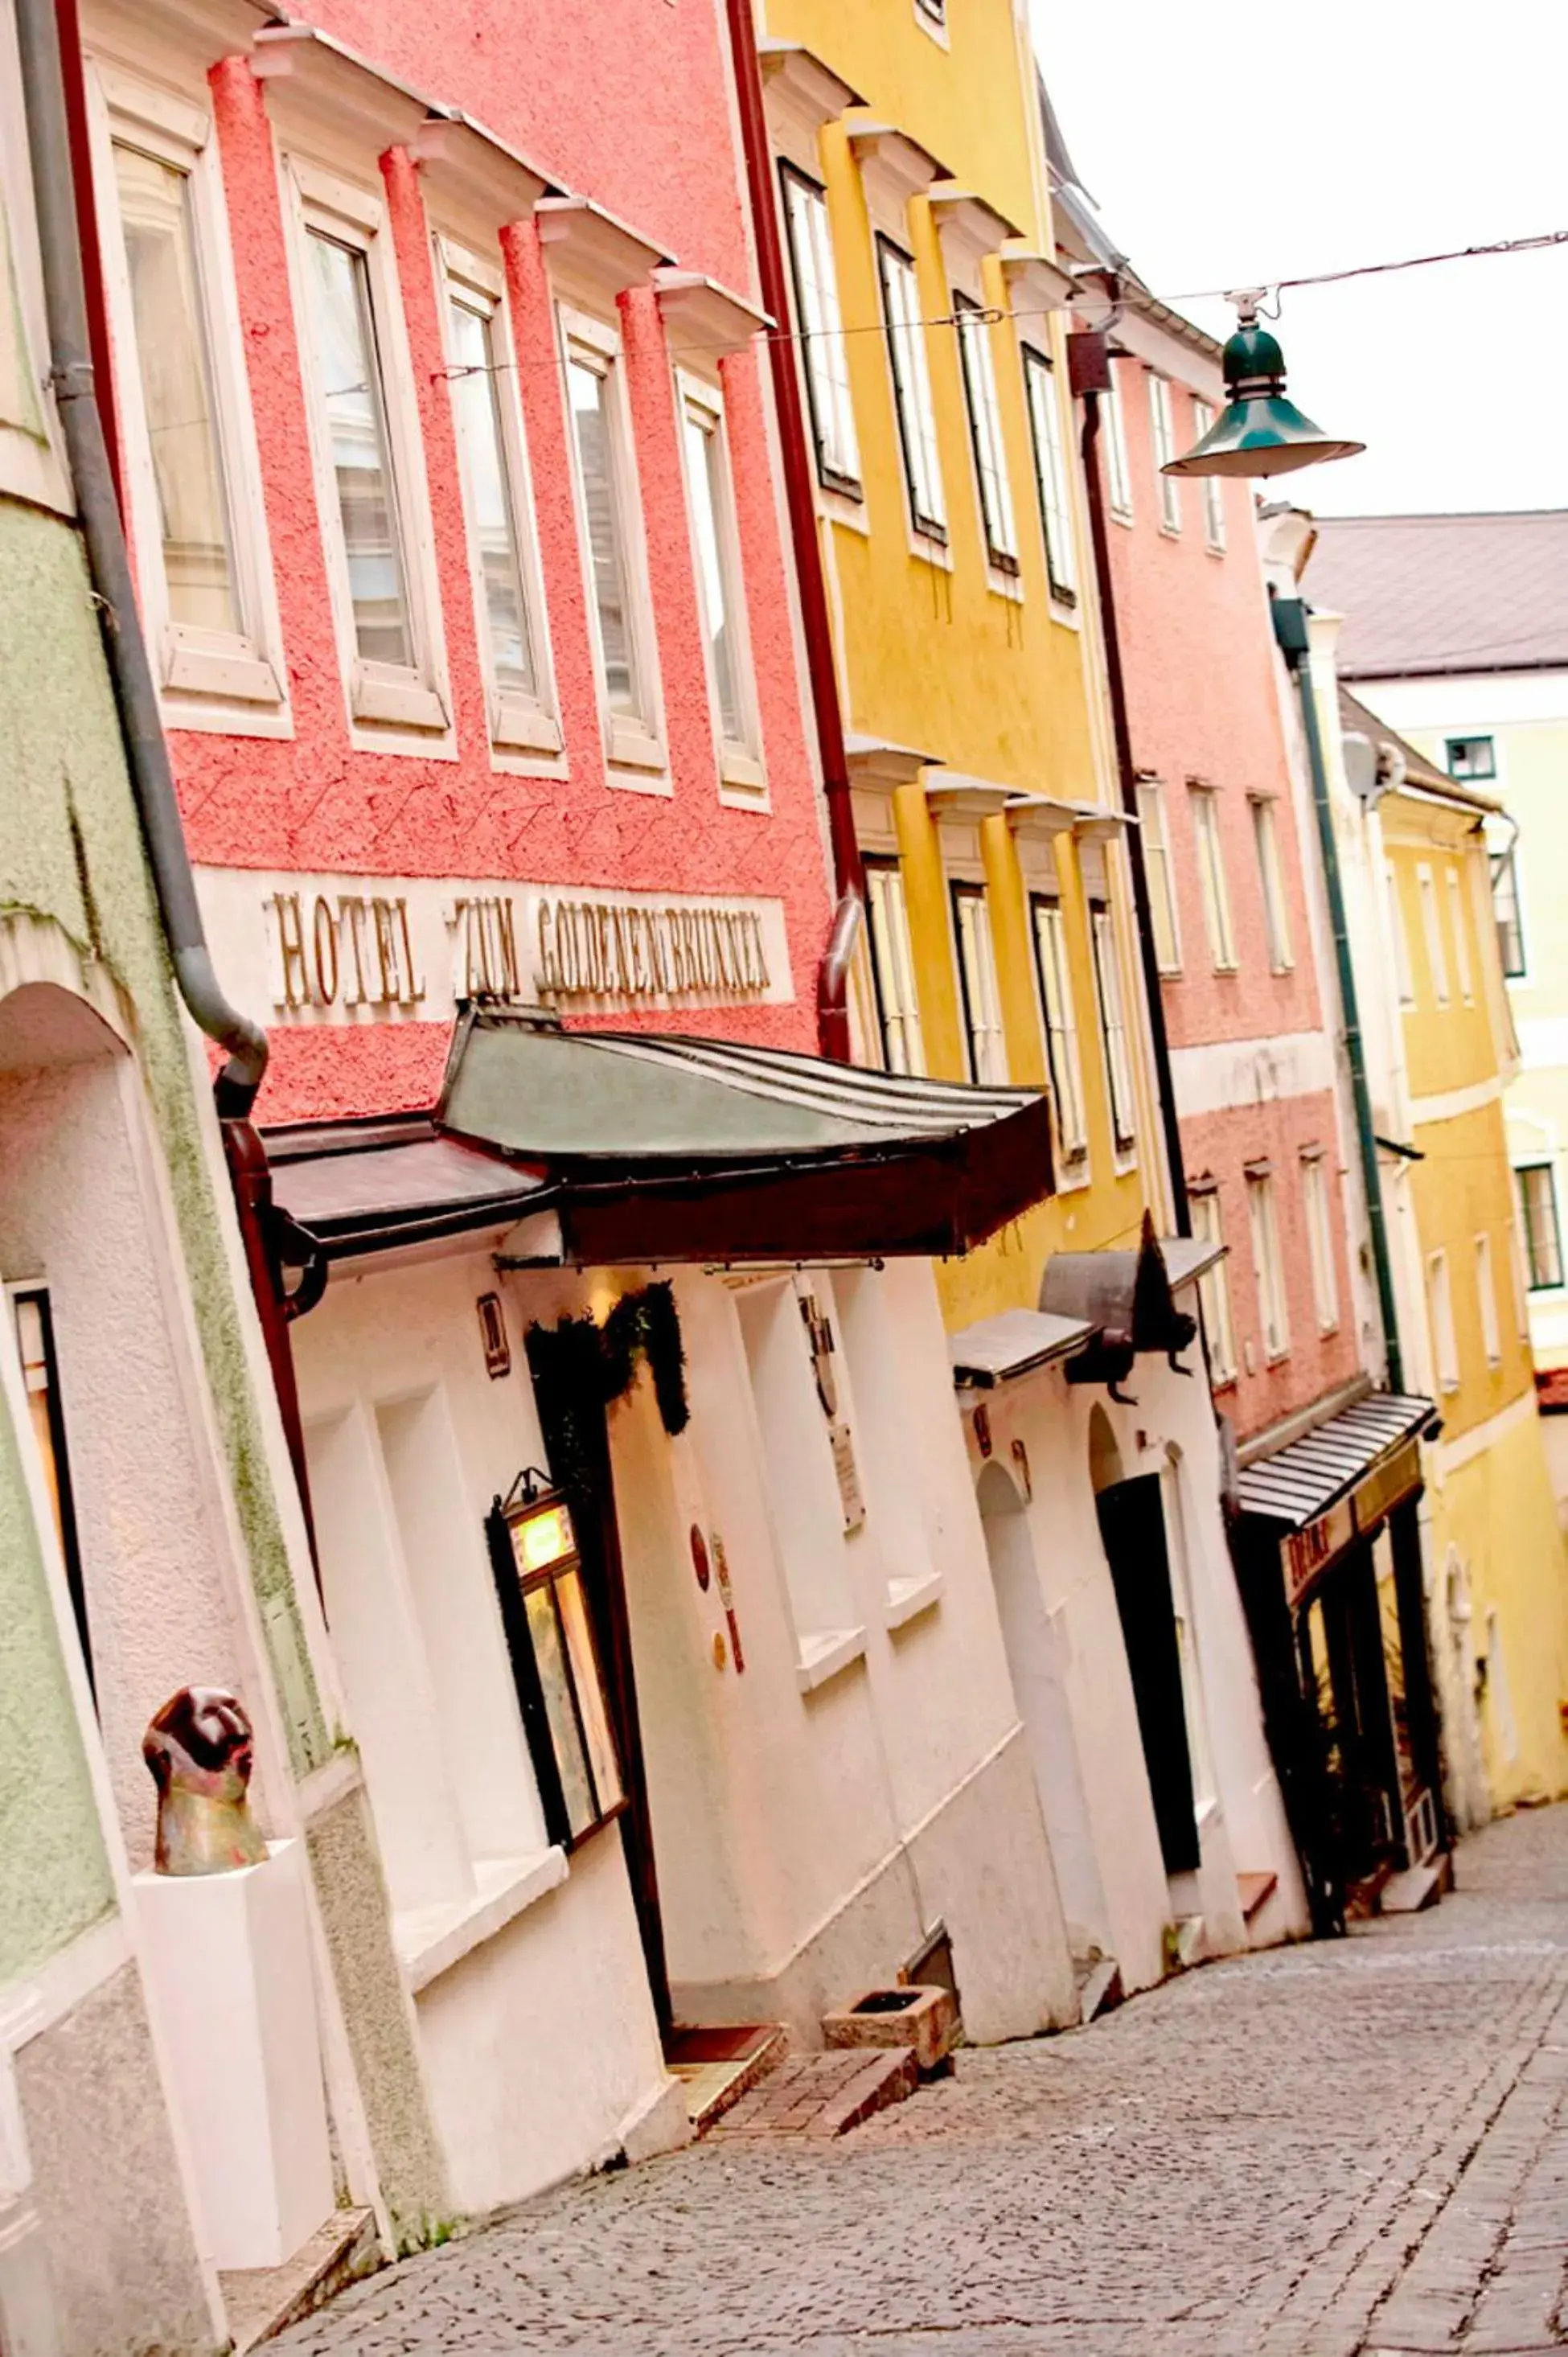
(1357, 2149)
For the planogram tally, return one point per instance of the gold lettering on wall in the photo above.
(357, 952)
(593, 948)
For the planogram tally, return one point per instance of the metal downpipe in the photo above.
(109, 564)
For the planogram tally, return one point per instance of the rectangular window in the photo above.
(1205, 805)
(1214, 1288)
(1471, 756)
(985, 434)
(893, 968)
(1157, 867)
(1461, 939)
(720, 593)
(1267, 1265)
(1213, 486)
(1507, 911)
(1163, 429)
(1399, 939)
(1486, 1292)
(912, 390)
(1112, 1025)
(192, 483)
(1440, 1317)
(1537, 1184)
(488, 420)
(1432, 932)
(1051, 474)
(1315, 1191)
(977, 976)
(561, 1688)
(610, 523)
(1117, 474)
(1276, 915)
(822, 331)
(369, 467)
(1061, 1026)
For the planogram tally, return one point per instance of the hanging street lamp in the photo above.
(1258, 431)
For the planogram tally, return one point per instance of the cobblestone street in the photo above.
(1359, 2147)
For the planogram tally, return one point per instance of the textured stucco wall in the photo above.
(121, 2259)
(318, 802)
(54, 1872)
(70, 849)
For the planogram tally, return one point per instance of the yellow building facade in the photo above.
(1500, 1606)
(1001, 935)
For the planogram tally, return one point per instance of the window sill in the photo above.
(1170, 532)
(927, 550)
(824, 1653)
(1224, 1382)
(742, 772)
(1005, 585)
(1122, 516)
(378, 703)
(907, 1598)
(518, 727)
(431, 1939)
(1214, 548)
(846, 507)
(204, 715)
(1074, 1176)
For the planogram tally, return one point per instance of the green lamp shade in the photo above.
(1259, 431)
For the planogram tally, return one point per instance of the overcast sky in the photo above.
(1228, 146)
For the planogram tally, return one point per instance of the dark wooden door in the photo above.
(1133, 1527)
(568, 1392)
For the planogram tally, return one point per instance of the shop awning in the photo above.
(648, 1147)
(1301, 1481)
(1014, 1342)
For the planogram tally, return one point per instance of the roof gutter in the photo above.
(800, 488)
(135, 695)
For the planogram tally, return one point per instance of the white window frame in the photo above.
(1118, 473)
(741, 772)
(1440, 1319)
(1162, 428)
(32, 445)
(1205, 805)
(1521, 1170)
(988, 451)
(1501, 864)
(235, 681)
(1404, 975)
(824, 351)
(1213, 486)
(1053, 969)
(1214, 1287)
(1120, 1093)
(892, 961)
(1163, 912)
(1041, 397)
(985, 1042)
(1270, 877)
(1432, 932)
(1320, 1239)
(518, 722)
(1486, 1292)
(898, 284)
(634, 743)
(1464, 972)
(1263, 1219)
(391, 707)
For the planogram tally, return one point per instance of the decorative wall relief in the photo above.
(201, 1749)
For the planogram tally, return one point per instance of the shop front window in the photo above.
(556, 1662)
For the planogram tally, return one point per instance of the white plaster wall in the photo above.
(539, 2043)
(796, 1830)
(73, 1214)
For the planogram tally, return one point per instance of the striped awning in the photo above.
(648, 1147)
(1301, 1481)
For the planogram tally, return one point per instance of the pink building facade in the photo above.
(444, 640)
(1251, 1057)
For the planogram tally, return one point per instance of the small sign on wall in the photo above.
(820, 1336)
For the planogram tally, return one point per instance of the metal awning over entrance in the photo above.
(1300, 1481)
(646, 1148)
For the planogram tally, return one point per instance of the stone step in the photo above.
(718, 2063)
(1252, 1889)
(1100, 1989)
(262, 2301)
(821, 2095)
(1408, 1893)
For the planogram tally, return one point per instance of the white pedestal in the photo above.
(229, 1959)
